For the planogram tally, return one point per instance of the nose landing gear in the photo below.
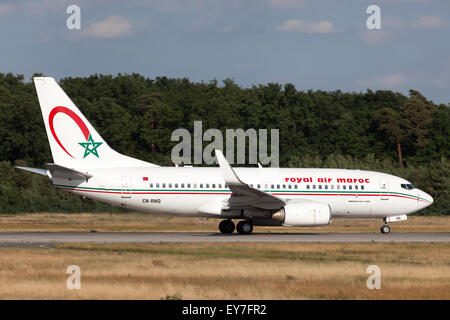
(385, 229)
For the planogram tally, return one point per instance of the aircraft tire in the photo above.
(226, 226)
(385, 229)
(244, 227)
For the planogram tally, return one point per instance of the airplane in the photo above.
(84, 164)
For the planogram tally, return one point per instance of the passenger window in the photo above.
(320, 186)
(314, 186)
(201, 185)
(362, 187)
(157, 185)
(350, 187)
(176, 185)
(289, 186)
(188, 185)
(213, 186)
(326, 187)
(344, 187)
(332, 187)
(338, 187)
(295, 186)
(278, 186)
(195, 185)
(170, 185)
(272, 186)
(284, 187)
(163, 185)
(307, 186)
(356, 187)
(219, 186)
(259, 186)
(151, 185)
(207, 185)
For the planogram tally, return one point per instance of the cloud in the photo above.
(392, 28)
(374, 37)
(323, 26)
(394, 2)
(425, 22)
(5, 9)
(43, 7)
(429, 22)
(392, 80)
(112, 27)
(286, 3)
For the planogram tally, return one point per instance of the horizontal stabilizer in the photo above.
(34, 170)
(58, 171)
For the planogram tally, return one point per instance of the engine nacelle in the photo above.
(304, 214)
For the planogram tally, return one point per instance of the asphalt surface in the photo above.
(44, 239)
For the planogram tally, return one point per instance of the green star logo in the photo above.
(90, 147)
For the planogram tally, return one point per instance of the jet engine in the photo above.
(304, 214)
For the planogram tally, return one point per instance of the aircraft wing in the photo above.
(243, 196)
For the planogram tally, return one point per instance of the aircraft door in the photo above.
(384, 190)
(126, 187)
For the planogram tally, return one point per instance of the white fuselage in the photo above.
(188, 191)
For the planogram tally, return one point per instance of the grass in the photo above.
(227, 271)
(137, 222)
(221, 270)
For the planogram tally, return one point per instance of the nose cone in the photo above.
(428, 199)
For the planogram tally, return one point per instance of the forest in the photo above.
(382, 130)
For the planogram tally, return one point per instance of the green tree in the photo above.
(394, 126)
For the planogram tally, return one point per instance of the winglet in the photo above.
(228, 173)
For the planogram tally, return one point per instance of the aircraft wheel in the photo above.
(385, 229)
(226, 226)
(244, 227)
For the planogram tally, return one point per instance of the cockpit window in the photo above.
(407, 186)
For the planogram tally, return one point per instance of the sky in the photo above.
(313, 44)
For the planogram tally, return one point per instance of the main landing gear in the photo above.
(226, 226)
(243, 227)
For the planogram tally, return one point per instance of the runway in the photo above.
(36, 239)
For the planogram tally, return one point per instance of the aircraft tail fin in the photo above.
(74, 142)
